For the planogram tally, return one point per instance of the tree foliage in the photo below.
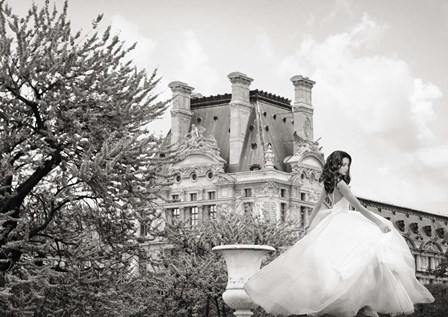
(188, 278)
(77, 169)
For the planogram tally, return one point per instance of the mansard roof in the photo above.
(270, 121)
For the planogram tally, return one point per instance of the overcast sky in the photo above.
(380, 67)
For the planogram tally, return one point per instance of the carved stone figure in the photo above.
(414, 227)
(427, 230)
(400, 224)
(304, 146)
(195, 139)
(314, 195)
(440, 233)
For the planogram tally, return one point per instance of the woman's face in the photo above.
(343, 170)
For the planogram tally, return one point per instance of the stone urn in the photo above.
(243, 261)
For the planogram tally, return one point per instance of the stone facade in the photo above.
(254, 151)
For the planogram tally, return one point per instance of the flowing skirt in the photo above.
(344, 263)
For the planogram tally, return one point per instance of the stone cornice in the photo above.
(299, 80)
(254, 95)
(211, 100)
(201, 170)
(239, 78)
(403, 210)
(271, 98)
(181, 87)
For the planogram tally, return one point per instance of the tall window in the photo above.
(303, 196)
(302, 216)
(175, 213)
(193, 196)
(212, 211)
(282, 212)
(248, 192)
(194, 216)
(211, 195)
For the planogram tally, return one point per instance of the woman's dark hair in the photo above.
(330, 174)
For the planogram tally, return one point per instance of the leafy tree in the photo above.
(188, 278)
(77, 169)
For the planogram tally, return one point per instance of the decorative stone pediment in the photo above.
(225, 179)
(195, 142)
(199, 154)
(307, 157)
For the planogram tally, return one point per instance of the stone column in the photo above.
(180, 112)
(239, 115)
(302, 108)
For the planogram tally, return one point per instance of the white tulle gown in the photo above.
(344, 263)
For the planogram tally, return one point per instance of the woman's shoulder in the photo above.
(341, 183)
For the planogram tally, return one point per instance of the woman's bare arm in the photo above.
(345, 190)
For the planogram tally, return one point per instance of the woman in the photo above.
(348, 261)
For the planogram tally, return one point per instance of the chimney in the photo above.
(240, 108)
(180, 112)
(302, 108)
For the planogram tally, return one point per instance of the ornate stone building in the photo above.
(254, 151)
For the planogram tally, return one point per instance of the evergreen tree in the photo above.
(77, 168)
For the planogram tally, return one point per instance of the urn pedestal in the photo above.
(243, 261)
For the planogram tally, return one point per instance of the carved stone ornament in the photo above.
(307, 172)
(269, 158)
(306, 146)
(314, 195)
(400, 225)
(225, 180)
(201, 170)
(427, 230)
(268, 189)
(431, 246)
(414, 227)
(195, 140)
(440, 232)
(418, 237)
(407, 234)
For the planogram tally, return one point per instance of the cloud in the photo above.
(340, 6)
(376, 109)
(130, 33)
(422, 107)
(194, 64)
